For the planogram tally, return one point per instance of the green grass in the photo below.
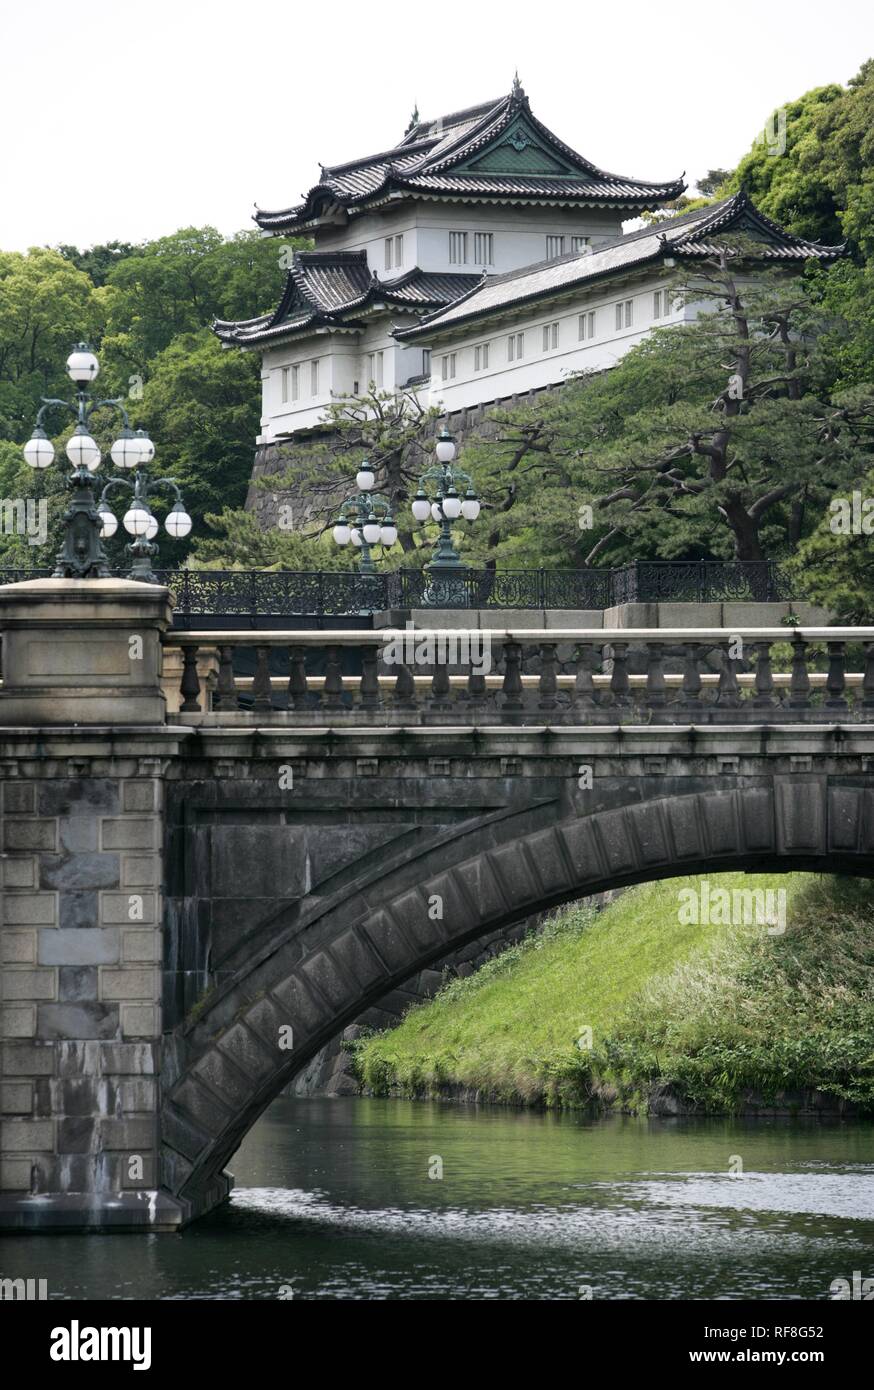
(708, 1013)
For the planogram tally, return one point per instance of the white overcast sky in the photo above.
(126, 121)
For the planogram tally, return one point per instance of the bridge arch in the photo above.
(326, 964)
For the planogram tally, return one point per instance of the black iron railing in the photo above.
(286, 593)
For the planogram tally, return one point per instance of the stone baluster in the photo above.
(799, 681)
(690, 691)
(297, 678)
(656, 691)
(835, 681)
(261, 690)
(584, 686)
(332, 691)
(728, 694)
(225, 693)
(404, 693)
(764, 684)
(476, 689)
(548, 688)
(512, 687)
(369, 685)
(189, 686)
(868, 677)
(441, 697)
(620, 686)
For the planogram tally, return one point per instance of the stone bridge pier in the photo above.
(194, 904)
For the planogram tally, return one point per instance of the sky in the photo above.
(127, 121)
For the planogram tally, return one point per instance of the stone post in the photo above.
(83, 750)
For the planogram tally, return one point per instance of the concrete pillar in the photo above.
(83, 750)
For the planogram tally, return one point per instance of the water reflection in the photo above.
(334, 1200)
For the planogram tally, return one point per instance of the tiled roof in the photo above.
(323, 288)
(440, 159)
(692, 234)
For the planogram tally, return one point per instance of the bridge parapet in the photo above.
(522, 676)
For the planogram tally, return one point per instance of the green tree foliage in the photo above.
(46, 305)
(705, 440)
(179, 284)
(146, 310)
(821, 185)
(240, 542)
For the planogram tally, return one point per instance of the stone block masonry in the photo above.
(80, 938)
(81, 880)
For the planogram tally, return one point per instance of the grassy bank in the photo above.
(708, 1017)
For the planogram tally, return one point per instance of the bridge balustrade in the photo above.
(528, 676)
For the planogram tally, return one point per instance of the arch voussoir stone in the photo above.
(484, 878)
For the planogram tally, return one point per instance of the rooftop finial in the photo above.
(516, 90)
(414, 119)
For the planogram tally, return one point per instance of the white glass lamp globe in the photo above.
(470, 507)
(39, 451)
(126, 451)
(82, 365)
(153, 528)
(371, 530)
(147, 448)
(445, 447)
(356, 536)
(82, 451)
(452, 505)
(342, 533)
(136, 520)
(389, 533)
(421, 507)
(365, 478)
(177, 522)
(108, 522)
(436, 513)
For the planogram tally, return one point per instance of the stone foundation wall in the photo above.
(81, 949)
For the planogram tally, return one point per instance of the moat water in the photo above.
(343, 1199)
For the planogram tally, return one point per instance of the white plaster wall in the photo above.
(519, 234)
(343, 362)
(540, 368)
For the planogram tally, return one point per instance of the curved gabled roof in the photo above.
(693, 234)
(327, 289)
(498, 151)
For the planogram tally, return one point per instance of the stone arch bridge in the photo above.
(194, 902)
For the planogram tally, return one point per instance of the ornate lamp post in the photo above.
(85, 523)
(140, 523)
(365, 520)
(446, 505)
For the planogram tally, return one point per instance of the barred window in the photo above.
(375, 368)
(515, 347)
(550, 336)
(314, 377)
(625, 313)
(587, 325)
(481, 357)
(399, 250)
(458, 248)
(554, 247)
(483, 248)
(447, 366)
(579, 243)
